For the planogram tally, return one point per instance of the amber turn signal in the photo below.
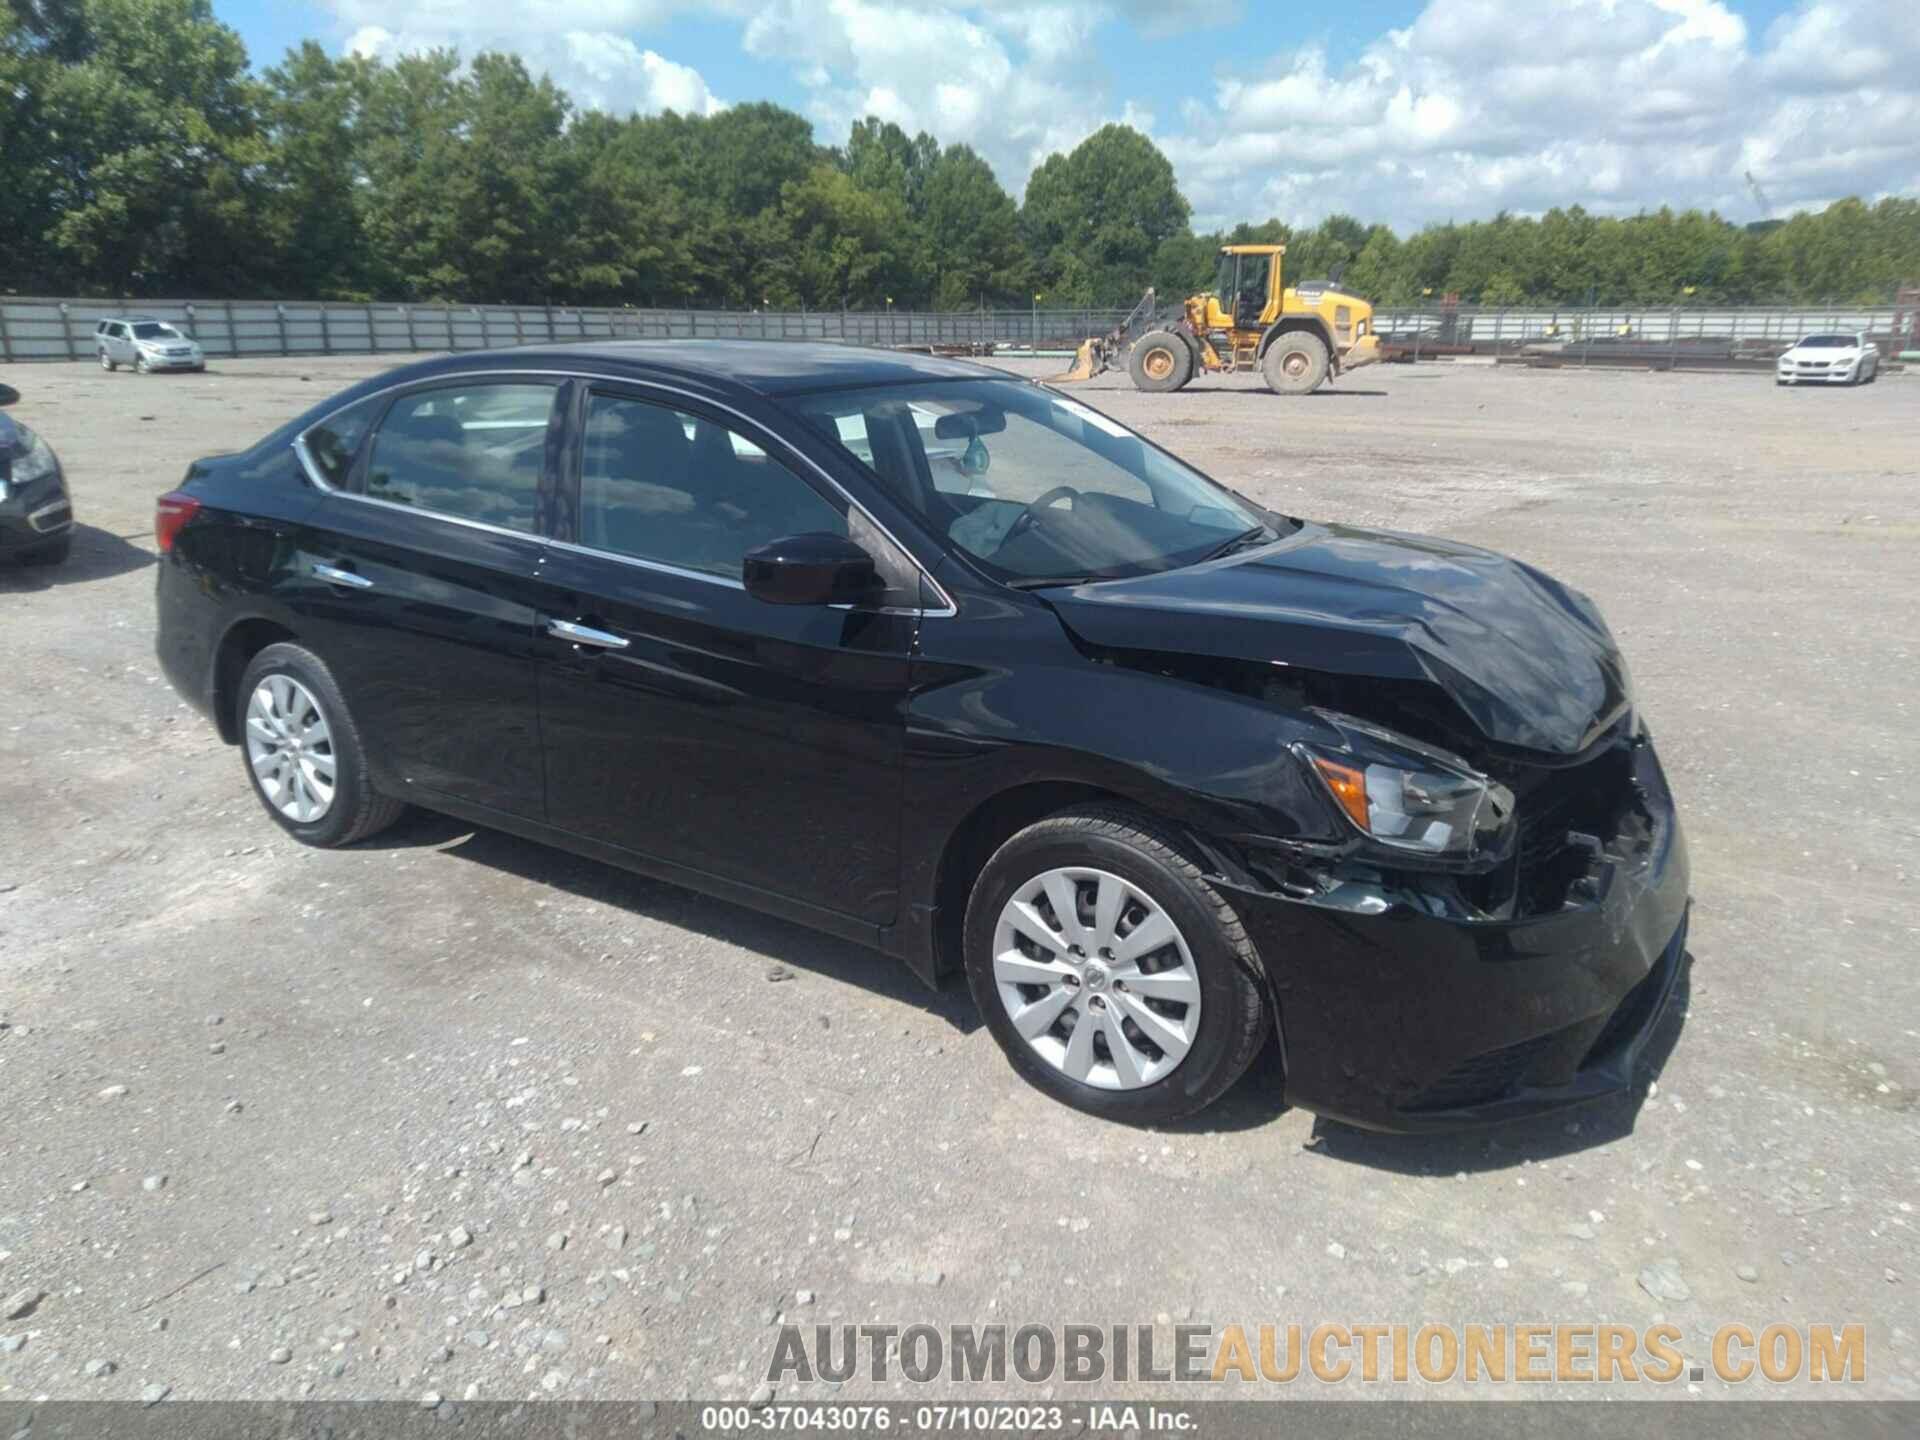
(1349, 787)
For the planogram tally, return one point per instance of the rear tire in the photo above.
(1295, 363)
(107, 363)
(1160, 362)
(287, 693)
(1208, 958)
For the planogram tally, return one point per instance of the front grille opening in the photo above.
(1567, 819)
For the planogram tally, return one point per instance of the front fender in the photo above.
(1210, 762)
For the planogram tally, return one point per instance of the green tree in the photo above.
(310, 114)
(413, 115)
(1094, 219)
(502, 197)
(881, 157)
(142, 132)
(837, 244)
(1184, 265)
(971, 233)
(620, 242)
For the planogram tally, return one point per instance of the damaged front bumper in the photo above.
(1394, 1017)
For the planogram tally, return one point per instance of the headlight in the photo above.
(1407, 796)
(33, 462)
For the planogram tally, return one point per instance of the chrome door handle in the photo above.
(585, 635)
(336, 576)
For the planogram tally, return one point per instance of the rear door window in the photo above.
(474, 452)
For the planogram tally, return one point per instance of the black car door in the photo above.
(416, 579)
(682, 719)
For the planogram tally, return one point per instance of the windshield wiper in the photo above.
(1245, 540)
(1042, 582)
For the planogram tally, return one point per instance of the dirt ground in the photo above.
(452, 1114)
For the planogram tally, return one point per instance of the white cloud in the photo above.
(1014, 81)
(616, 74)
(1483, 105)
(1473, 107)
(583, 44)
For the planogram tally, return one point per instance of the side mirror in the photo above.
(815, 569)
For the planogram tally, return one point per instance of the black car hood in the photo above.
(1530, 661)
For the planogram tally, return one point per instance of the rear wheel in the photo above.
(1160, 361)
(303, 751)
(1295, 363)
(1113, 976)
(106, 363)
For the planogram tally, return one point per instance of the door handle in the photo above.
(333, 575)
(585, 635)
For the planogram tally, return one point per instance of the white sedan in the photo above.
(1840, 359)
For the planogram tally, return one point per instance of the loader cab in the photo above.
(1246, 287)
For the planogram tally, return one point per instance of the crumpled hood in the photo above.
(1530, 662)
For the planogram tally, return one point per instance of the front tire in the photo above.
(303, 751)
(1295, 363)
(1113, 976)
(1160, 362)
(141, 367)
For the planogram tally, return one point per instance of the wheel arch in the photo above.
(1286, 324)
(1002, 815)
(243, 639)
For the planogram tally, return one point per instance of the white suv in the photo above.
(146, 344)
(1838, 359)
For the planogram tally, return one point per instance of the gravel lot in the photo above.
(451, 1113)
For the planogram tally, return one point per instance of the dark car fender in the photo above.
(992, 749)
(219, 588)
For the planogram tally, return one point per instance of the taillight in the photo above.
(170, 513)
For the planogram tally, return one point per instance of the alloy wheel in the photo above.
(1097, 978)
(290, 746)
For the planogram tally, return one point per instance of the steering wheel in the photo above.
(1028, 516)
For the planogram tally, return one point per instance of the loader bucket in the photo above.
(1363, 351)
(1088, 362)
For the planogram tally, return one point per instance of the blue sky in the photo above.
(1404, 110)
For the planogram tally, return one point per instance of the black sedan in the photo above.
(36, 511)
(954, 666)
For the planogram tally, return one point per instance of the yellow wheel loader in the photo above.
(1297, 336)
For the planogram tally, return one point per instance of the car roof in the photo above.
(766, 367)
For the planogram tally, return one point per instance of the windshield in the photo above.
(154, 330)
(1223, 277)
(1035, 487)
(1826, 342)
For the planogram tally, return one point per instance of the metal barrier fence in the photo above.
(62, 329)
(56, 329)
(1482, 326)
